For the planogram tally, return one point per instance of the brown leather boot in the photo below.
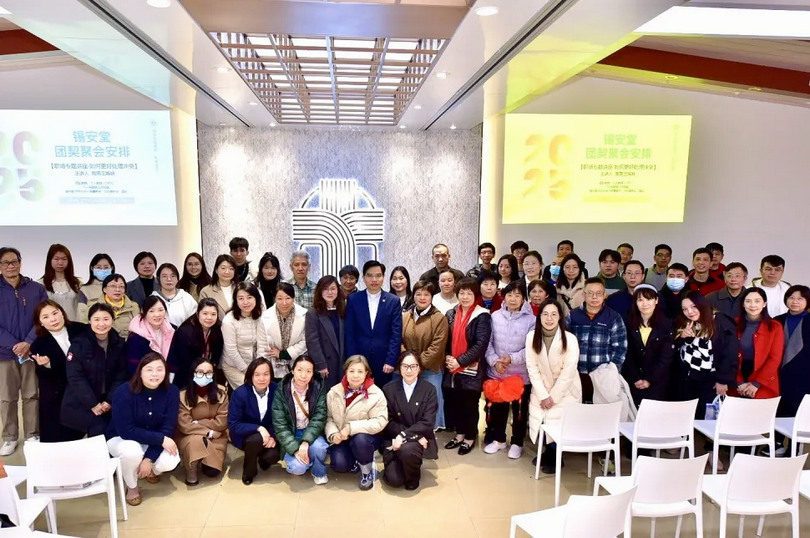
(191, 473)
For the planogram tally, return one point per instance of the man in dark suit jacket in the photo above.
(374, 324)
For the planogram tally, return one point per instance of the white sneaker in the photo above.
(34, 438)
(494, 447)
(320, 480)
(515, 452)
(8, 448)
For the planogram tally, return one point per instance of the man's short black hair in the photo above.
(678, 267)
(715, 246)
(610, 253)
(663, 246)
(634, 262)
(702, 251)
(518, 244)
(372, 264)
(772, 259)
(349, 270)
(237, 243)
(6, 250)
(482, 246)
(626, 245)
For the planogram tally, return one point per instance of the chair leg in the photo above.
(122, 493)
(590, 462)
(794, 516)
(618, 456)
(772, 446)
(595, 488)
(731, 456)
(740, 532)
(657, 452)
(634, 455)
(723, 521)
(652, 528)
(537, 467)
(557, 476)
(683, 449)
(111, 506)
(678, 527)
(761, 525)
(698, 520)
(50, 514)
(512, 529)
(715, 457)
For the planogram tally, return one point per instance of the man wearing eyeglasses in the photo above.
(19, 297)
(441, 259)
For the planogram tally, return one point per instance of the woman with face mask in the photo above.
(198, 336)
(54, 335)
(648, 362)
(95, 367)
(762, 343)
(571, 283)
(299, 417)
(101, 266)
(114, 289)
(202, 423)
(150, 331)
(143, 423)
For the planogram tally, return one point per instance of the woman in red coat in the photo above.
(762, 341)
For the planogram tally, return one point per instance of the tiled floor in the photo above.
(461, 496)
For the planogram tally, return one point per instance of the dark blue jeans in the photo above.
(358, 449)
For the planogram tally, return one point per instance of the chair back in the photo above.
(758, 479)
(598, 517)
(664, 420)
(66, 464)
(9, 500)
(590, 422)
(746, 416)
(801, 425)
(665, 481)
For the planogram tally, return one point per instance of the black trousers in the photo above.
(498, 416)
(461, 410)
(403, 466)
(358, 449)
(257, 454)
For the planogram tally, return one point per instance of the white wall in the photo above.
(63, 84)
(748, 181)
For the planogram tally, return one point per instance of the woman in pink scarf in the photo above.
(149, 331)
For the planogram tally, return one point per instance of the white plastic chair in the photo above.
(797, 429)
(664, 488)
(661, 425)
(741, 422)
(24, 512)
(75, 469)
(584, 428)
(595, 517)
(757, 486)
(16, 473)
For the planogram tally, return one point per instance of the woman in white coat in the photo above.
(552, 359)
(240, 333)
(282, 336)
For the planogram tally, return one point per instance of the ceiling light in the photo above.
(453, 127)
(754, 89)
(402, 126)
(736, 93)
(223, 69)
(222, 124)
(417, 107)
(486, 11)
(253, 103)
(4, 12)
(159, 3)
(442, 75)
(273, 124)
(737, 22)
(671, 77)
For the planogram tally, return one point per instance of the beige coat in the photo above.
(572, 298)
(554, 373)
(364, 415)
(216, 293)
(122, 320)
(269, 336)
(194, 423)
(427, 336)
(239, 347)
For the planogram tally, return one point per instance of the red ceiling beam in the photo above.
(686, 65)
(22, 42)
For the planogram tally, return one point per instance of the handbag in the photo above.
(505, 390)
(713, 409)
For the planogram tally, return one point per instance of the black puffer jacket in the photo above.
(479, 330)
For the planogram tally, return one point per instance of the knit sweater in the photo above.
(146, 417)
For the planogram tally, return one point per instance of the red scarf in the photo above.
(535, 309)
(350, 394)
(458, 345)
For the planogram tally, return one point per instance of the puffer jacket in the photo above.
(284, 416)
(364, 415)
(509, 330)
(479, 330)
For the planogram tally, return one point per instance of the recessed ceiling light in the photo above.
(453, 127)
(486, 11)
(253, 103)
(671, 77)
(402, 126)
(273, 124)
(159, 3)
(755, 89)
(417, 107)
(442, 75)
(222, 124)
(223, 69)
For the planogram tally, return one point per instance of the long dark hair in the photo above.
(407, 275)
(319, 303)
(38, 328)
(537, 342)
(635, 314)
(212, 391)
(513, 267)
(220, 259)
(268, 287)
(562, 280)
(253, 291)
(50, 273)
(136, 383)
(201, 280)
(215, 333)
(706, 320)
(97, 258)
(742, 320)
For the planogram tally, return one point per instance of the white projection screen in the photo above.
(79, 168)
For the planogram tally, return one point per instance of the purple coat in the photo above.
(17, 314)
(509, 332)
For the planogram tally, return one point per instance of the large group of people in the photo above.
(321, 375)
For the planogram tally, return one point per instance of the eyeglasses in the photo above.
(209, 375)
(550, 315)
(13, 263)
(410, 367)
(594, 293)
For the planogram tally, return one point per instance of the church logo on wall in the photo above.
(339, 218)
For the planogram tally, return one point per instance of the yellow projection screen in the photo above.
(594, 168)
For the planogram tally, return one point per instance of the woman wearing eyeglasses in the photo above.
(113, 294)
(202, 424)
(180, 305)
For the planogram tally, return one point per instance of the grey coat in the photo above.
(324, 346)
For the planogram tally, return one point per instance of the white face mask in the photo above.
(676, 284)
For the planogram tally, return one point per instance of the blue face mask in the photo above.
(676, 284)
(203, 381)
(555, 271)
(101, 274)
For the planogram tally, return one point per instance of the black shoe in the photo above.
(355, 469)
(534, 461)
(440, 430)
(210, 472)
(411, 487)
(247, 480)
(465, 449)
(453, 443)
(548, 469)
(264, 465)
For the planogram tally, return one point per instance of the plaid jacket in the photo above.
(601, 340)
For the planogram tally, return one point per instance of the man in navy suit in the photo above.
(374, 324)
